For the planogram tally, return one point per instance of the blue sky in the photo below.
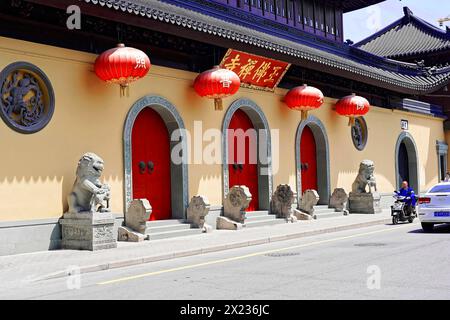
(359, 24)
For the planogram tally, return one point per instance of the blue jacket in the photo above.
(408, 193)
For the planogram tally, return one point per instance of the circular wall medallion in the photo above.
(27, 100)
(359, 133)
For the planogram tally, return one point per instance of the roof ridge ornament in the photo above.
(408, 13)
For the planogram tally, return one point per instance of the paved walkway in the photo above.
(22, 268)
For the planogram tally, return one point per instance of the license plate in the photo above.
(442, 214)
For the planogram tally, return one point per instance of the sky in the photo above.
(360, 24)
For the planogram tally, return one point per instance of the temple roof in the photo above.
(327, 56)
(408, 36)
(351, 5)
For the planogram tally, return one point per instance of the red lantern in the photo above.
(216, 84)
(352, 106)
(304, 99)
(122, 65)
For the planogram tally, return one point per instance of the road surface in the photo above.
(380, 262)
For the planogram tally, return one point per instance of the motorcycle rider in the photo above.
(410, 201)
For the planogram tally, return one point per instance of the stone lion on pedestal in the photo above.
(365, 178)
(88, 193)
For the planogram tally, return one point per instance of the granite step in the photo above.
(157, 223)
(259, 218)
(259, 213)
(169, 227)
(174, 234)
(262, 223)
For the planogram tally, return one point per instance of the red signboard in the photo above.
(255, 71)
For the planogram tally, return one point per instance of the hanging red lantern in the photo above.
(122, 65)
(217, 83)
(304, 99)
(352, 106)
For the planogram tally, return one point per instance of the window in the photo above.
(319, 15)
(308, 13)
(442, 151)
(440, 189)
(329, 20)
(299, 9)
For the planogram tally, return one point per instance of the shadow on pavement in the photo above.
(438, 229)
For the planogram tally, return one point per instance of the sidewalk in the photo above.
(23, 268)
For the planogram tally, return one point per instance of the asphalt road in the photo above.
(381, 262)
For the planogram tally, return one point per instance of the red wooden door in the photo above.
(151, 163)
(247, 173)
(308, 160)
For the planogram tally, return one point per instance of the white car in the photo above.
(434, 206)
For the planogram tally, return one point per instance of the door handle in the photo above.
(142, 167)
(240, 166)
(235, 166)
(306, 166)
(151, 166)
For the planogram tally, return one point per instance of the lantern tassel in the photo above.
(124, 90)
(304, 115)
(218, 105)
(351, 121)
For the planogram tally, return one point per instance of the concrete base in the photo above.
(227, 224)
(302, 216)
(368, 203)
(87, 231)
(127, 234)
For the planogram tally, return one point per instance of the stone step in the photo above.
(258, 218)
(323, 211)
(158, 223)
(261, 223)
(258, 213)
(325, 215)
(169, 227)
(321, 206)
(174, 234)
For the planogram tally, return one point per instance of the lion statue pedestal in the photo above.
(359, 200)
(89, 224)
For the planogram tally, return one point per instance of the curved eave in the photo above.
(345, 64)
(430, 39)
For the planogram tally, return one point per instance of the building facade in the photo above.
(405, 136)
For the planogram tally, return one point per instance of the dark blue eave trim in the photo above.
(420, 107)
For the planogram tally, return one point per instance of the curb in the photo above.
(148, 259)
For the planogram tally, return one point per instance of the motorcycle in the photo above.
(399, 210)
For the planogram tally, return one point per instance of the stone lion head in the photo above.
(367, 167)
(90, 166)
(284, 193)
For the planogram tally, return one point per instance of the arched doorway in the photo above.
(308, 160)
(406, 161)
(312, 159)
(150, 147)
(153, 129)
(251, 166)
(243, 166)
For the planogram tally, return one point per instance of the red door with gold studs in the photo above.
(308, 160)
(151, 163)
(243, 170)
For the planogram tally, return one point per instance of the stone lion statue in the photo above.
(365, 178)
(197, 211)
(88, 193)
(282, 200)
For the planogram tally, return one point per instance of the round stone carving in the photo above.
(27, 99)
(359, 133)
